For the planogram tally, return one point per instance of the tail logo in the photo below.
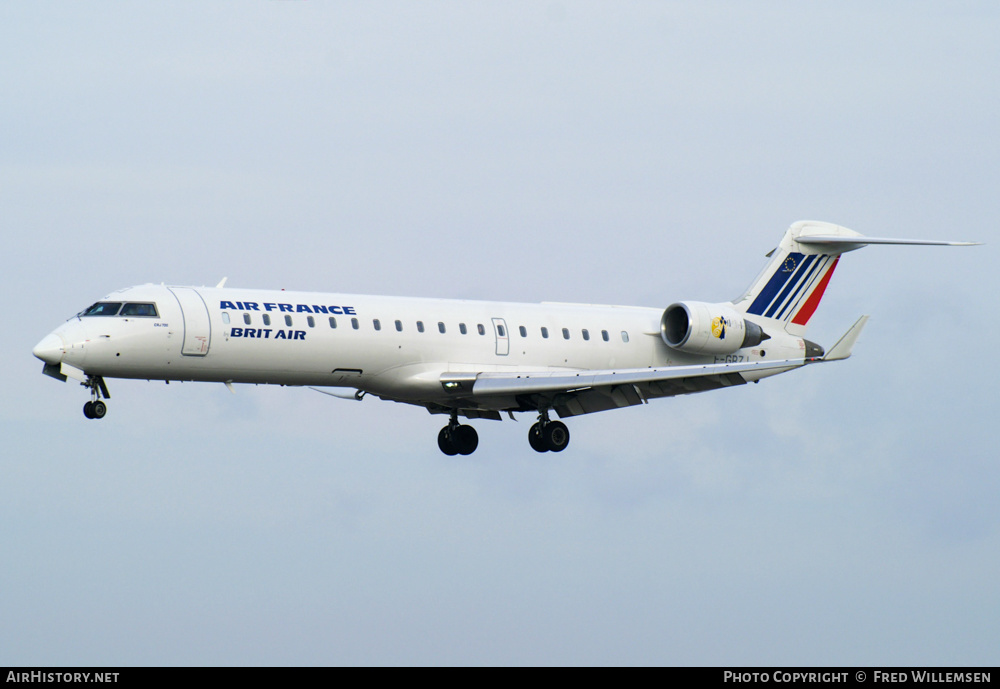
(793, 291)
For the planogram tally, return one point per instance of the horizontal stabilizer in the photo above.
(861, 241)
(845, 344)
(792, 284)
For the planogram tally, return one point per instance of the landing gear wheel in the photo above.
(465, 439)
(458, 440)
(555, 435)
(95, 408)
(535, 439)
(445, 443)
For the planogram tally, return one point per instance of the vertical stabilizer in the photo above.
(790, 287)
(792, 284)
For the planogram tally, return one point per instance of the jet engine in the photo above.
(699, 328)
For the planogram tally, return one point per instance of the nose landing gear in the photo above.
(95, 408)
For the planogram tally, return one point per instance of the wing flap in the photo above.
(547, 382)
(599, 399)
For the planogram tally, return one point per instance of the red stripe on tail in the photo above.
(809, 308)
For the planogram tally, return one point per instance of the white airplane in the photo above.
(475, 359)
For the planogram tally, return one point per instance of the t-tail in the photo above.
(792, 284)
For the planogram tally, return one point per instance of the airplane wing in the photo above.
(584, 392)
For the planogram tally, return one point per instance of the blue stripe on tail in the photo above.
(774, 285)
(818, 268)
(792, 284)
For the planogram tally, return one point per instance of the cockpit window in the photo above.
(144, 309)
(103, 308)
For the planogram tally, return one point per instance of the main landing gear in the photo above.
(544, 436)
(95, 408)
(458, 439)
(548, 436)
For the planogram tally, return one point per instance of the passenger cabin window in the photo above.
(145, 310)
(103, 308)
(399, 326)
(586, 334)
(377, 323)
(311, 321)
(524, 331)
(246, 318)
(355, 324)
(225, 318)
(267, 319)
(288, 321)
(624, 336)
(565, 333)
(420, 326)
(605, 336)
(333, 322)
(462, 329)
(545, 332)
(481, 328)
(441, 327)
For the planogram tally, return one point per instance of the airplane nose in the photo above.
(50, 349)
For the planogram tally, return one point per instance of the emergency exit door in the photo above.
(503, 337)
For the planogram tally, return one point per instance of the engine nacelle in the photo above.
(700, 328)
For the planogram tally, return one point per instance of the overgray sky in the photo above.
(631, 153)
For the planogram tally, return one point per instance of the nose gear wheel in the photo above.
(95, 408)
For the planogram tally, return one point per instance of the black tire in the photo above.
(556, 436)
(445, 443)
(535, 439)
(99, 410)
(88, 410)
(465, 439)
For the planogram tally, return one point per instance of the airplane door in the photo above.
(503, 337)
(197, 326)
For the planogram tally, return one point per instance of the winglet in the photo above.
(222, 283)
(845, 344)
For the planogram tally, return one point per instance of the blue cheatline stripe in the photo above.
(805, 286)
(796, 280)
(777, 281)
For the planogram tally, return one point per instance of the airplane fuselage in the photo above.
(394, 347)
(475, 359)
